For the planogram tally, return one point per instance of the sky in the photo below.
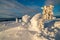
(18, 8)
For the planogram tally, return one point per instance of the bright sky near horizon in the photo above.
(18, 8)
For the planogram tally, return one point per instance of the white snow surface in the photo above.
(28, 30)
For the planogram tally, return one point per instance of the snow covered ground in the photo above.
(25, 31)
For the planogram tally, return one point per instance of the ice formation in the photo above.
(48, 12)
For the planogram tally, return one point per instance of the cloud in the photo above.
(14, 8)
(53, 2)
(35, 7)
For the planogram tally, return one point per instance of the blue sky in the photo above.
(37, 4)
(18, 8)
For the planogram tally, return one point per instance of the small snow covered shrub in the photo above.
(25, 18)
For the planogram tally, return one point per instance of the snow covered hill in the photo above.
(30, 29)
